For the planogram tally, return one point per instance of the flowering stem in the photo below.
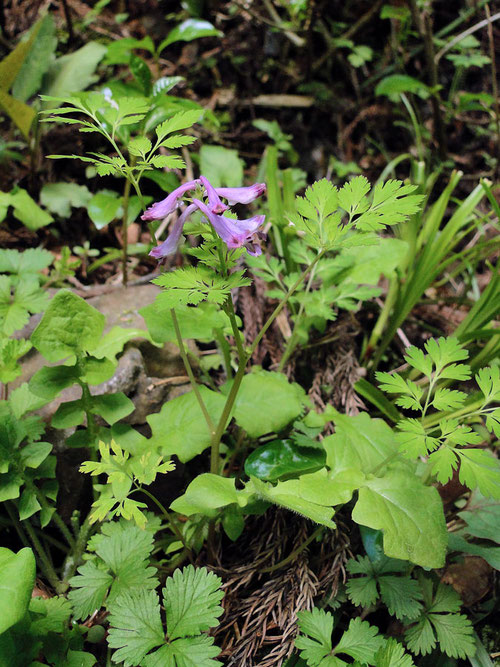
(229, 309)
(221, 426)
(190, 373)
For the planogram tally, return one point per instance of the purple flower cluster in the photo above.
(234, 233)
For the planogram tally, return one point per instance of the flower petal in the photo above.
(242, 195)
(216, 206)
(171, 243)
(168, 205)
(234, 233)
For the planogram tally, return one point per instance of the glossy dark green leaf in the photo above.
(283, 458)
(141, 73)
(188, 30)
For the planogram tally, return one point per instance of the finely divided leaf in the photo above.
(193, 285)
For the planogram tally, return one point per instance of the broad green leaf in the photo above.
(194, 322)
(69, 326)
(359, 442)
(48, 382)
(393, 85)
(17, 578)
(221, 166)
(207, 492)
(11, 65)
(267, 402)
(74, 71)
(113, 342)
(31, 260)
(104, 207)
(410, 515)
(286, 494)
(21, 114)
(141, 73)
(27, 504)
(38, 59)
(482, 516)
(192, 597)
(96, 371)
(68, 414)
(373, 261)
(60, 198)
(282, 458)
(34, 454)
(188, 30)
(180, 427)
(27, 210)
(112, 407)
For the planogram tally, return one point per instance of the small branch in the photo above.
(423, 24)
(464, 34)
(494, 82)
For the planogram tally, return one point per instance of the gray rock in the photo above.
(147, 374)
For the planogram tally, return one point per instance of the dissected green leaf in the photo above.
(192, 285)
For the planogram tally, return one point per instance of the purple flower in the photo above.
(216, 206)
(168, 205)
(241, 195)
(235, 233)
(169, 246)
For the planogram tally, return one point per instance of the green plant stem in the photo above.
(190, 373)
(44, 561)
(228, 406)
(292, 341)
(55, 516)
(125, 201)
(423, 24)
(378, 329)
(167, 516)
(71, 562)
(225, 351)
(229, 309)
(292, 556)
(17, 524)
